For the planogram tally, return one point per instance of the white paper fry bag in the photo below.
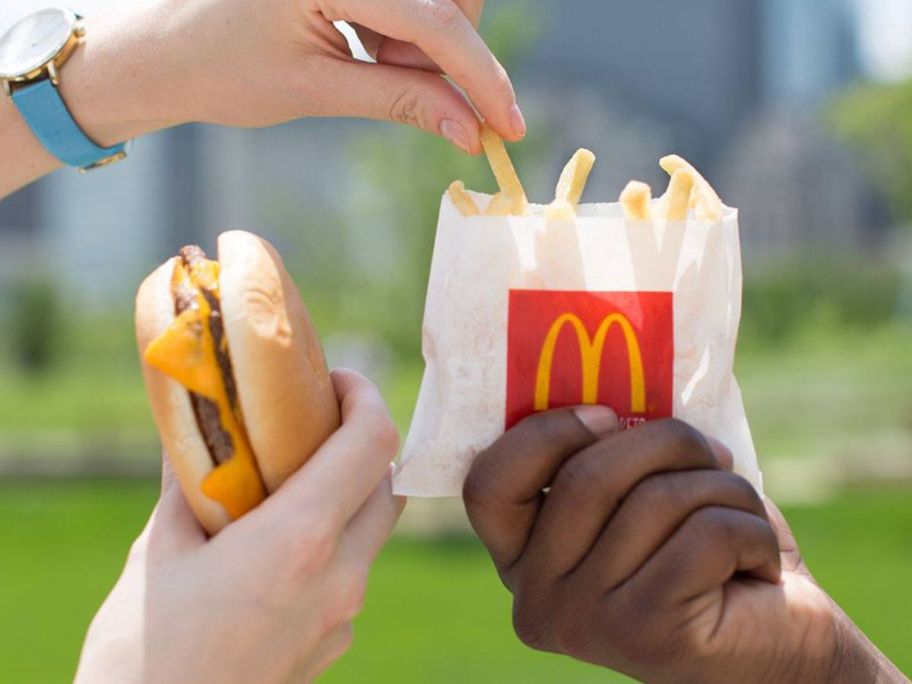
(525, 314)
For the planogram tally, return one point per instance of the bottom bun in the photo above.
(171, 407)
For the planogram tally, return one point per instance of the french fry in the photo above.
(636, 200)
(560, 210)
(677, 199)
(574, 176)
(462, 200)
(503, 169)
(501, 205)
(706, 200)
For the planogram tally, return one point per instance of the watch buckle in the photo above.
(107, 161)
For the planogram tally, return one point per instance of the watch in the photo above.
(31, 55)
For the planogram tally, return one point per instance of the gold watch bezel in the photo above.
(51, 68)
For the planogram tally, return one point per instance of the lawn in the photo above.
(436, 611)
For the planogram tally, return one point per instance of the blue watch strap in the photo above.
(47, 115)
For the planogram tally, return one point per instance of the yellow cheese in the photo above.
(186, 352)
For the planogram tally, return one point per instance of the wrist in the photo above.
(119, 83)
(857, 659)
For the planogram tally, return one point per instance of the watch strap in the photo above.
(52, 123)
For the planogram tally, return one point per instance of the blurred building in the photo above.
(733, 84)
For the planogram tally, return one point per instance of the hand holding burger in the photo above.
(259, 435)
(271, 597)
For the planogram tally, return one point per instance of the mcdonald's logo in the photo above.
(567, 348)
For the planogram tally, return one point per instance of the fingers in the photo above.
(410, 96)
(591, 485)
(712, 545)
(652, 512)
(172, 528)
(372, 526)
(339, 478)
(400, 53)
(330, 649)
(441, 30)
(503, 491)
(788, 546)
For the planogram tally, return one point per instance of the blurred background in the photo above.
(799, 111)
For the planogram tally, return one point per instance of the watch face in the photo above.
(35, 41)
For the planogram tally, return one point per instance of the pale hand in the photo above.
(159, 63)
(271, 598)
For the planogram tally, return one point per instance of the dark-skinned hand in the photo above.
(642, 552)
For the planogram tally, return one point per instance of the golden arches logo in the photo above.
(591, 352)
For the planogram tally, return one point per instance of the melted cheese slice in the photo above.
(186, 352)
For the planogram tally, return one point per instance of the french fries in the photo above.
(705, 199)
(687, 189)
(560, 210)
(501, 204)
(462, 200)
(678, 195)
(636, 200)
(572, 182)
(504, 172)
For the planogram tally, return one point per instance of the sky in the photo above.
(886, 30)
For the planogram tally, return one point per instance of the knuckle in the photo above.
(528, 624)
(352, 592)
(383, 434)
(441, 14)
(311, 545)
(476, 490)
(655, 489)
(405, 109)
(502, 81)
(745, 492)
(346, 639)
(713, 525)
(683, 437)
(577, 474)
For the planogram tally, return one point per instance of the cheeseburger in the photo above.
(235, 374)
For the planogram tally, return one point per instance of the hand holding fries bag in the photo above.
(634, 305)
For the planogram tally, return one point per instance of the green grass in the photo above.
(436, 611)
(823, 391)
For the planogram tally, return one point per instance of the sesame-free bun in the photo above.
(284, 389)
(286, 394)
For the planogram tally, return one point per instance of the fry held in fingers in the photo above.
(503, 169)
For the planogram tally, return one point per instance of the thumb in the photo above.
(172, 528)
(410, 96)
(788, 546)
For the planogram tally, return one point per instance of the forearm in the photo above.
(118, 85)
(859, 660)
(23, 159)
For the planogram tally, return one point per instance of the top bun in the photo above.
(286, 395)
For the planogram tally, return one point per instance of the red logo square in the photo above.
(571, 348)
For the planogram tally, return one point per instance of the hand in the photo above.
(271, 598)
(243, 63)
(647, 555)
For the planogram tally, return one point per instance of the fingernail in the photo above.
(517, 121)
(600, 420)
(722, 452)
(456, 134)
